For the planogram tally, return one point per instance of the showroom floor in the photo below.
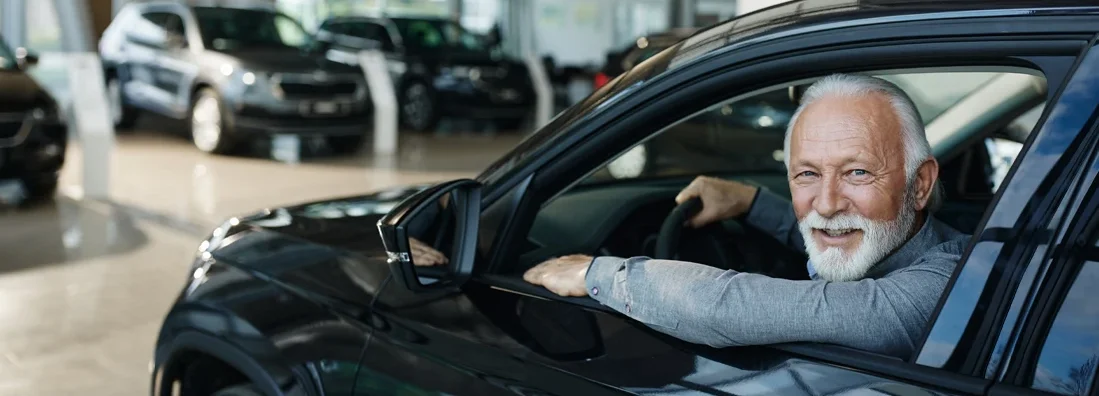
(84, 283)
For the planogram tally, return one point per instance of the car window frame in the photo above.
(1008, 48)
(1057, 276)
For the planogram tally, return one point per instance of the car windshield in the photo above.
(440, 35)
(7, 57)
(227, 29)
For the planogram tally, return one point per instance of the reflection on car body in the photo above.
(1008, 322)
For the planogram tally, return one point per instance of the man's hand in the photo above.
(563, 275)
(721, 199)
(424, 255)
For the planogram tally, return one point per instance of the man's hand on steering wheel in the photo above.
(721, 199)
(423, 255)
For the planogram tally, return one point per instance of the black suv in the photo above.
(33, 137)
(439, 68)
(232, 72)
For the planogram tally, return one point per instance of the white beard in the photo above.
(879, 238)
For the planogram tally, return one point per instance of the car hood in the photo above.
(288, 60)
(19, 92)
(327, 251)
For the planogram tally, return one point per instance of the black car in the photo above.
(33, 136)
(233, 73)
(440, 69)
(325, 298)
(620, 60)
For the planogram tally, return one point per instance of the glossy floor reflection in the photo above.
(83, 287)
(85, 283)
(164, 173)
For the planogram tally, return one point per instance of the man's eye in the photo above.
(807, 174)
(859, 172)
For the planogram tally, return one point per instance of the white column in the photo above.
(13, 22)
(384, 97)
(90, 117)
(76, 25)
(543, 90)
(686, 10)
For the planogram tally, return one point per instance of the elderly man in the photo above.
(863, 183)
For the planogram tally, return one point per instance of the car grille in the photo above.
(299, 86)
(292, 90)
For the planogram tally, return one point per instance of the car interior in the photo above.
(976, 120)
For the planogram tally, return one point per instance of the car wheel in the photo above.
(208, 130)
(40, 188)
(418, 111)
(348, 144)
(123, 116)
(240, 390)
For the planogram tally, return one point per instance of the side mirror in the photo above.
(431, 237)
(25, 58)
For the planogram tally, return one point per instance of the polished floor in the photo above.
(84, 283)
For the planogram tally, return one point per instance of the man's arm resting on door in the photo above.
(705, 305)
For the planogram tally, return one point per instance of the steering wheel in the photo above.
(732, 251)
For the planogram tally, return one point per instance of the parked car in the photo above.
(626, 57)
(33, 135)
(234, 73)
(324, 297)
(440, 69)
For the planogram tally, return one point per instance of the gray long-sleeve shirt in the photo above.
(886, 312)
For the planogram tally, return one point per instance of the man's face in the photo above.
(848, 183)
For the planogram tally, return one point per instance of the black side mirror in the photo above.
(25, 58)
(431, 237)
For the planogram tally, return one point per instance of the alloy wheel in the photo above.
(206, 123)
(417, 106)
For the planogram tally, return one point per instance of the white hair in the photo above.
(917, 149)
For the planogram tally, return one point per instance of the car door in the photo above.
(509, 332)
(145, 39)
(176, 66)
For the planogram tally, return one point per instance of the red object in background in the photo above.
(601, 80)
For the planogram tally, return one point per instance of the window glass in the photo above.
(174, 24)
(225, 29)
(1070, 354)
(440, 35)
(7, 57)
(746, 135)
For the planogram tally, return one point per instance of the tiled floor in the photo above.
(84, 283)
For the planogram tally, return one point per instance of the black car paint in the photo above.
(163, 79)
(454, 97)
(484, 341)
(30, 124)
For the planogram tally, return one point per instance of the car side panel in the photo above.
(284, 343)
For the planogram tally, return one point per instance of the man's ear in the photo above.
(926, 177)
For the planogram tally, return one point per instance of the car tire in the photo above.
(418, 107)
(509, 124)
(347, 144)
(124, 116)
(209, 133)
(40, 188)
(240, 390)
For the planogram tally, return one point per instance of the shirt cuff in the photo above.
(605, 281)
(767, 210)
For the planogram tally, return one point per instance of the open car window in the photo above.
(745, 135)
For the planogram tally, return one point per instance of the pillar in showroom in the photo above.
(13, 22)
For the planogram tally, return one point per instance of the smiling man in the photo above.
(864, 184)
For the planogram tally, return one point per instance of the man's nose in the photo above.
(830, 200)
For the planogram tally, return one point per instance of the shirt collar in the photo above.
(926, 238)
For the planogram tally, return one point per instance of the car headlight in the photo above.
(45, 115)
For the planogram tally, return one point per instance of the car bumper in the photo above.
(256, 120)
(486, 101)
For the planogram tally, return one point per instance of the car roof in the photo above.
(266, 5)
(801, 17)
